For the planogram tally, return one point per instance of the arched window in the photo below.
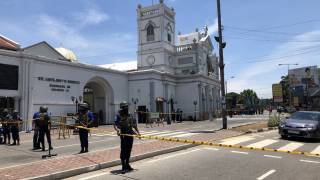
(150, 33)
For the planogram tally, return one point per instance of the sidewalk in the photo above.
(62, 167)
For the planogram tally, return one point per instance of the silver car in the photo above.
(301, 124)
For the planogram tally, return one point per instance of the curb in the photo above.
(260, 130)
(86, 169)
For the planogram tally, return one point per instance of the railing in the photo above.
(151, 12)
(185, 48)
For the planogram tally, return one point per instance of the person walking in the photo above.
(125, 126)
(85, 119)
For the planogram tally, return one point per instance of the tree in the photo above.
(250, 99)
(285, 89)
(232, 99)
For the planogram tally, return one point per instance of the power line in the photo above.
(274, 59)
(287, 52)
(270, 40)
(232, 28)
(290, 25)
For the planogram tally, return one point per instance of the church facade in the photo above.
(170, 75)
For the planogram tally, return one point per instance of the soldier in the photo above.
(44, 123)
(15, 127)
(124, 124)
(85, 119)
(36, 142)
(6, 126)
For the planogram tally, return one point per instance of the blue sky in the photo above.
(104, 32)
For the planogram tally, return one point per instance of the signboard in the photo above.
(307, 77)
(277, 93)
(154, 115)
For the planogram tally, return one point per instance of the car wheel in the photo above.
(284, 137)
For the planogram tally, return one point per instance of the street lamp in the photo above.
(289, 64)
(76, 101)
(226, 83)
(195, 110)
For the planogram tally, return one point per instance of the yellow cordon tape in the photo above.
(222, 145)
(199, 142)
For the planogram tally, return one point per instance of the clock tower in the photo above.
(156, 37)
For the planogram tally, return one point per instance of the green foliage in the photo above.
(274, 121)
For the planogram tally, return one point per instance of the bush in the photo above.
(273, 121)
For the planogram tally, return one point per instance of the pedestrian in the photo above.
(125, 127)
(15, 127)
(6, 126)
(85, 118)
(44, 130)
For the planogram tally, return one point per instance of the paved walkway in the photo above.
(98, 159)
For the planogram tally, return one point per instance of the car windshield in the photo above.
(306, 116)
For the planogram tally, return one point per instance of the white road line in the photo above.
(156, 133)
(173, 155)
(266, 174)
(237, 140)
(171, 134)
(210, 148)
(263, 143)
(239, 152)
(94, 176)
(270, 156)
(308, 161)
(291, 146)
(186, 135)
(316, 150)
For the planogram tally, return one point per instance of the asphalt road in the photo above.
(15, 155)
(204, 163)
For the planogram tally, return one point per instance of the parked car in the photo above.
(301, 124)
(281, 109)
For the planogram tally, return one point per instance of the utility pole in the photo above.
(221, 65)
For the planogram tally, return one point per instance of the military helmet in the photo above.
(124, 105)
(5, 110)
(15, 111)
(43, 109)
(83, 107)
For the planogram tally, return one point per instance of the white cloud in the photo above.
(92, 16)
(213, 28)
(122, 66)
(260, 76)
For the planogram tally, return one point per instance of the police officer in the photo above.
(85, 119)
(124, 124)
(6, 126)
(16, 120)
(44, 122)
(36, 141)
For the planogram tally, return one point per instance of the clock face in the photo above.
(151, 60)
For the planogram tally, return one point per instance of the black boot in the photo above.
(128, 167)
(124, 169)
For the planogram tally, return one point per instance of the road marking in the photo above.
(209, 148)
(185, 135)
(173, 155)
(277, 157)
(291, 146)
(237, 140)
(93, 176)
(316, 150)
(239, 152)
(308, 161)
(156, 133)
(263, 143)
(170, 134)
(266, 174)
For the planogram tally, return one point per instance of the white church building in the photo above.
(169, 75)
